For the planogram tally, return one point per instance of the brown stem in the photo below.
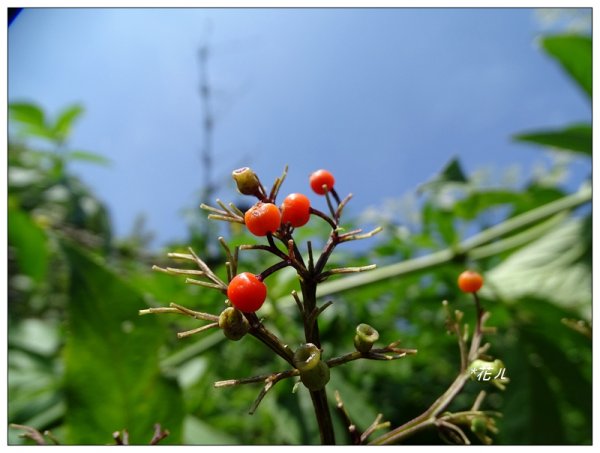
(311, 331)
(430, 416)
(259, 331)
(319, 400)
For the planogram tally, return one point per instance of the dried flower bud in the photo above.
(307, 357)
(314, 373)
(365, 337)
(246, 180)
(233, 323)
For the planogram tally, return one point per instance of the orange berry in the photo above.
(295, 210)
(470, 281)
(246, 292)
(262, 218)
(319, 179)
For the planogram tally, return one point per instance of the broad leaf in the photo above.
(111, 360)
(27, 114)
(574, 53)
(29, 243)
(576, 138)
(549, 268)
(451, 173)
(65, 120)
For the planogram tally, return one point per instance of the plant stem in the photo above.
(430, 416)
(311, 332)
(427, 418)
(467, 247)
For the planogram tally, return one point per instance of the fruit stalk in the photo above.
(311, 331)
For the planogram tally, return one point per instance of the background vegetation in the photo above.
(83, 364)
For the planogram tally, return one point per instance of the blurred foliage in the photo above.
(82, 364)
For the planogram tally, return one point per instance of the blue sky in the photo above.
(381, 97)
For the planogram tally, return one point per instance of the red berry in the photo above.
(295, 210)
(319, 179)
(470, 281)
(246, 292)
(262, 218)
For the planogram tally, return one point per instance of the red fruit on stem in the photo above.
(295, 210)
(319, 179)
(262, 218)
(470, 281)
(246, 292)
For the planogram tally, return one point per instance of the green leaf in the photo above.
(439, 222)
(577, 390)
(66, 118)
(198, 432)
(549, 268)
(577, 138)
(27, 114)
(574, 53)
(480, 201)
(451, 173)
(87, 156)
(30, 244)
(112, 378)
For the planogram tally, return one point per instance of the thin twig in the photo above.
(350, 427)
(174, 308)
(175, 271)
(187, 333)
(269, 384)
(324, 216)
(159, 434)
(208, 271)
(356, 237)
(461, 436)
(226, 218)
(330, 204)
(277, 185)
(376, 425)
(30, 433)
(298, 301)
(194, 314)
(345, 270)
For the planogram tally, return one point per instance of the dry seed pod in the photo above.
(365, 337)
(314, 373)
(233, 323)
(246, 180)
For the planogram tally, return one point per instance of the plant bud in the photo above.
(365, 337)
(479, 425)
(490, 369)
(246, 181)
(233, 323)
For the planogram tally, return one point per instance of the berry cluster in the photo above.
(247, 292)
